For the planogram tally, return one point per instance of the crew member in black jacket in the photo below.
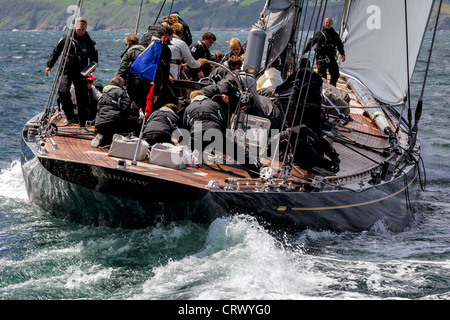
(306, 86)
(161, 124)
(116, 114)
(206, 122)
(82, 51)
(200, 49)
(306, 133)
(137, 88)
(201, 115)
(327, 40)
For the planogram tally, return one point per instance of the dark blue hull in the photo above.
(100, 196)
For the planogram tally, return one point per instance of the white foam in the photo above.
(12, 184)
(240, 261)
(79, 278)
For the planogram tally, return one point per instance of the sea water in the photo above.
(44, 258)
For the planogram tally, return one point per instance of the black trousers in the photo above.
(81, 92)
(332, 67)
(121, 126)
(138, 92)
(157, 138)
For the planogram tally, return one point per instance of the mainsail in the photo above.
(374, 33)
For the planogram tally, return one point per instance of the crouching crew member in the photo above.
(116, 114)
(161, 124)
(306, 86)
(203, 115)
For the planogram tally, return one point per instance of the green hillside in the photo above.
(122, 14)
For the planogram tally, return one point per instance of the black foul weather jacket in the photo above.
(114, 105)
(82, 51)
(327, 41)
(307, 83)
(162, 121)
(203, 114)
(199, 50)
(128, 58)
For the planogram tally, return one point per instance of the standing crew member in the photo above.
(137, 88)
(180, 52)
(327, 40)
(94, 95)
(187, 36)
(201, 50)
(162, 91)
(82, 51)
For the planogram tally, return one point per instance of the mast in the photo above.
(138, 18)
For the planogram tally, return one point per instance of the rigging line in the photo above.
(290, 103)
(310, 76)
(343, 140)
(291, 51)
(356, 204)
(62, 64)
(59, 71)
(75, 135)
(302, 5)
(283, 124)
(138, 18)
(64, 57)
(160, 9)
(408, 97)
(307, 35)
(171, 7)
(407, 197)
(424, 182)
(312, 69)
(407, 67)
(349, 130)
(378, 106)
(431, 48)
(419, 106)
(299, 42)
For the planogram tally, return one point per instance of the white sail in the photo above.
(374, 36)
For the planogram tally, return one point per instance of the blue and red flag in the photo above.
(147, 62)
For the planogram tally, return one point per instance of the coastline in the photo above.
(118, 29)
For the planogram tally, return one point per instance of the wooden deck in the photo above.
(72, 145)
